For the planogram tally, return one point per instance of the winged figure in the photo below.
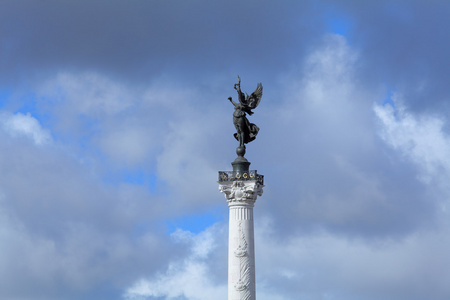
(246, 131)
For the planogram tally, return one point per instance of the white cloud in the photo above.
(25, 125)
(419, 138)
(87, 93)
(314, 266)
(131, 126)
(185, 161)
(24, 259)
(189, 278)
(127, 143)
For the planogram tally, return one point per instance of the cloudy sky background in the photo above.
(114, 121)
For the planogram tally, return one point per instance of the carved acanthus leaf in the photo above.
(241, 191)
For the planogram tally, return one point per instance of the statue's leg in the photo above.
(241, 132)
(241, 139)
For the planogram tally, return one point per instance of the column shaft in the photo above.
(241, 254)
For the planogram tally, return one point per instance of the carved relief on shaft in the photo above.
(243, 284)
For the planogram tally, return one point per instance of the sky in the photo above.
(114, 122)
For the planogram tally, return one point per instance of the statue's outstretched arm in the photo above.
(231, 100)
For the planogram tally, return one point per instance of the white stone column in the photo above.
(241, 196)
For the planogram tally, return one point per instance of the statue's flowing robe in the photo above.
(242, 124)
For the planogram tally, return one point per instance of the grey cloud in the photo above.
(146, 38)
(405, 45)
(339, 174)
(64, 233)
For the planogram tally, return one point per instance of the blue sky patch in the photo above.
(133, 176)
(337, 22)
(196, 223)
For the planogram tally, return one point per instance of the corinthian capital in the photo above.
(241, 192)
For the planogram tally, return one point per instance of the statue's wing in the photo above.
(255, 97)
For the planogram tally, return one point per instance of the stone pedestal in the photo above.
(241, 189)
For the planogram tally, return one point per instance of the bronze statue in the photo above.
(246, 131)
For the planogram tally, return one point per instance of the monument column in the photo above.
(241, 191)
(241, 188)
